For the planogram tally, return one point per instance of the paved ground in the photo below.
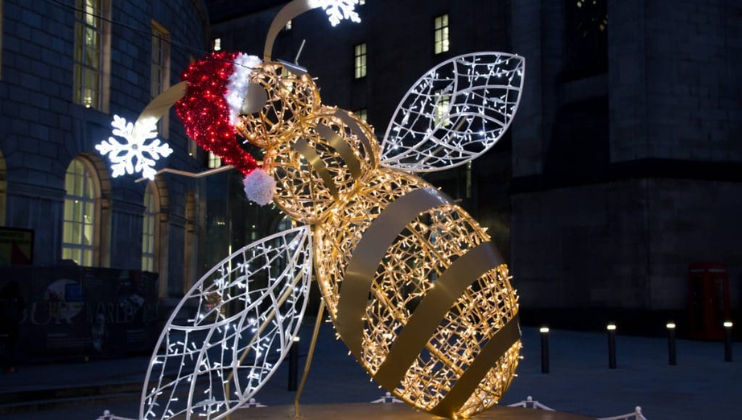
(701, 387)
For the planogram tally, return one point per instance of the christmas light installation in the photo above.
(415, 287)
(474, 98)
(440, 329)
(216, 87)
(338, 10)
(140, 152)
(230, 332)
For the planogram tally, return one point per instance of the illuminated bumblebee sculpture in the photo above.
(414, 286)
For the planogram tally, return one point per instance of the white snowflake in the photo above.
(338, 10)
(134, 155)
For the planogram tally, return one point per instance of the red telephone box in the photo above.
(708, 304)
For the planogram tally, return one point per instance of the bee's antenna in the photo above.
(336, 10)
(296, 61)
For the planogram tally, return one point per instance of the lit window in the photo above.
(90, 53)
(442, 105)
(286, 80)
(288, 26)
(217, 44)
(441, 34)
(361, 2)
(160, 76)
(148, 229)
(78, 239)
(362, 114)
(360, 61)
(214, 161)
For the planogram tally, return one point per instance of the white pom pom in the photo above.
(259, 187)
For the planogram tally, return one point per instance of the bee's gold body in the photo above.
(385, 240)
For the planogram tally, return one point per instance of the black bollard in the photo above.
(728, 341)
(611, 328)
(544, 349)
(671, 344)
(294, 364)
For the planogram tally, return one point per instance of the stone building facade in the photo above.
(67, 68)
(623, 163)
(626, 154)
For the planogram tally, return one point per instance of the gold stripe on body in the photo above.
(367, 256)
(428, 315)
(318, 165)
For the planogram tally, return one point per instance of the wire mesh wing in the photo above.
(231, 331)
(454, 113)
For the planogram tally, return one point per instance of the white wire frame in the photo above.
(108, 416)
(248, 309)
(530, 403)
(636, 415)
(481, 92)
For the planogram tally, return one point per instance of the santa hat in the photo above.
(217, 86)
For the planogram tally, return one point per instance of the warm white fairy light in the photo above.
(326, 174)
(231, 331)
(140, 152)
(455, 113)
(338, 10)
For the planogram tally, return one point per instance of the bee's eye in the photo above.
(254, 100)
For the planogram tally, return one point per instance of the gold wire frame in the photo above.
(421, 253)
(327, 175)
(292, 99)
(294, 113)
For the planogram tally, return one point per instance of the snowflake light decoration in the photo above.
(137, 154)
(338, 10)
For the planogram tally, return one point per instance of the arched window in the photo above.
(80, 220)
(149, 228)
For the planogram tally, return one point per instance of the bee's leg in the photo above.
(317, 325)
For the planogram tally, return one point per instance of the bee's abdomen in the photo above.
(440, 326)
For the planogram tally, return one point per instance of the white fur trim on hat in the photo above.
(237, 87)
(259, 186)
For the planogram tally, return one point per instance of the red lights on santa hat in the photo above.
(216, 87)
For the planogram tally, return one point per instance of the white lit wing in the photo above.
(454, 113)
(231, 331)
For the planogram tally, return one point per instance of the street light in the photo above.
(544, 349)
(728, 341)
(294, 364)
(611, 328)
(671, 343)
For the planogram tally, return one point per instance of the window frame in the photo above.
(213, 161)
(99, 75)
(160, 71)
(360, 61)
(149, 236)
(90, 205)
(441, 34)
(442, 107)
(362, 114)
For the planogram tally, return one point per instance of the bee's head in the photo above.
(278, 99)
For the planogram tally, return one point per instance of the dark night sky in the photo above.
(220, 10)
